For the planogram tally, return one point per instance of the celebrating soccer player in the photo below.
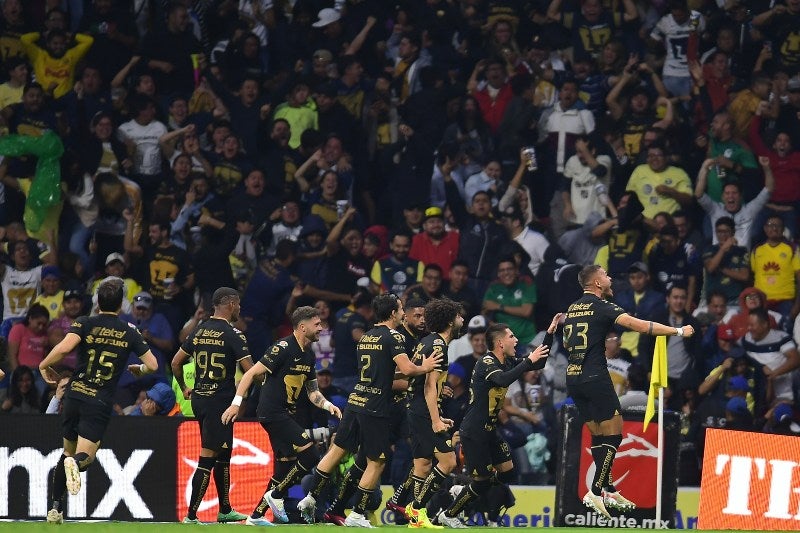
(589, 384)
(216, 347)
(103, 342)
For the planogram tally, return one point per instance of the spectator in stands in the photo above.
(511, 301)
(617, 364)
(141, 135)
(429, 288)
(27, 342)
(154, 328)
(590, 24)
(586, 179)
(680, 25)
(670, 264)
(476, 346)
(784, 163)
(435, 244)
(534, 243)
(776, 270)
(22, 397)
(18, 74)
(349, 328)
(685, 353)
(54, 65)
(733, 162)
(160, 400)
(659, 185)
(458, 290)
(73, 303)
(640, 301)
(775, 357)
(396, 272)
(51, 295)
(726, 265)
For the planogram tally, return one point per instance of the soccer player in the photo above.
(430, 432)
(217, 348)
(289, 365)
(103, 342)
(412, 328)
(366, 418)
(589, 384)
(484, 449)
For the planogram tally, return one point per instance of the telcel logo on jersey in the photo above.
(751, 483)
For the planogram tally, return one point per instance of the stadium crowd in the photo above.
(319, 152)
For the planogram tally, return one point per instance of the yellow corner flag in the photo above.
(658, 378)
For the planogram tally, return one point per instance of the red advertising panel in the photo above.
(251, 469)
(750, 481)
(634, 471)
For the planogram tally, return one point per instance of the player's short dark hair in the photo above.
(363, 298)
(414, 302)
(440, 313)
(587, 273)
(223, 295)
(303, 313)
(109, 294)
(761, 313)
(494, 332)
(384, 305)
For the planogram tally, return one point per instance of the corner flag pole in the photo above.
(660, 457)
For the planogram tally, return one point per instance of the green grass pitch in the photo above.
(149, 527)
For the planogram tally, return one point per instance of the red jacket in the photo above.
(785, 169)
(493, 110)
(443, 254)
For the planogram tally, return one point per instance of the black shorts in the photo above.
(87, 419)
(370, 433)
(482, 451)
(398, 421)
(596, 400)
(424, 442)
(214, 435)
(285, 435)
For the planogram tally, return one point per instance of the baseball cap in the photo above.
(638, 266)
(326, 16)
(322, 54)
(726, 333)
(737, 405)
(143, 299)
(456, 369)
(50, 270)
(477, 324)
(782, 412)
(738, 383)
(73, 290)
(323, 366)
(115, 257)
(163, 395)
(433, 212)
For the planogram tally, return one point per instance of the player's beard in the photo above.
(608, 293)
(312, 337)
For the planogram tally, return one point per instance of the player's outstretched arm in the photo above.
(149, 364)
(652, 328)
(232, 411)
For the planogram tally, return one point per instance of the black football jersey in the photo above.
(376, 351)
(106, 342)
(288, 369)
(411, 343)
(429, 346)
(485, 398)
(588, 322)
(216, 347)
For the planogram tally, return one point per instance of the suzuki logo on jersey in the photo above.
(252, 464)
(634, 470)
(39, 466)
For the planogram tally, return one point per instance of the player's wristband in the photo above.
(327, 406)
(679, 332)
(142, 368)
(237, 400)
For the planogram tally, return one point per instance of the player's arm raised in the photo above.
(258, 369)
(652, 328)
(316, 397)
